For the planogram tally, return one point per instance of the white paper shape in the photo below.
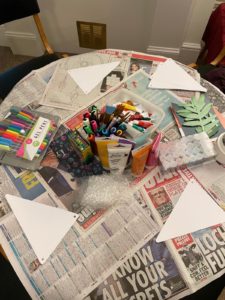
(88, 77)
(43, 225)
(194, 210)
(169, 75)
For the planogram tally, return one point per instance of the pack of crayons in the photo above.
(25, 136)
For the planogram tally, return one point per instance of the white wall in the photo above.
(177, 28)
(163, 27)
(125, 22)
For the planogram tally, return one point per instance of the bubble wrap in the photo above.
(105, 190)
(191, 149)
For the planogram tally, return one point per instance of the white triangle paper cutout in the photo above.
(194, 210)
(169, 75)
(43, 225)
(89, 77)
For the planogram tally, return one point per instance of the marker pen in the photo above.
(113, 130)
(129, 107)
(105, 132)
(94, 126)
(88, 129)
(138, 128)
(144, 124)
(86, 121)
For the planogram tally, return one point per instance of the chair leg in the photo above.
(42, 34)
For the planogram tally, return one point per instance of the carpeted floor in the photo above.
(8, 59)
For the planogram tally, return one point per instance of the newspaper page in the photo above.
(151, 273)
(200, 255)
(26, 91)
(63, 92)
(80, 262)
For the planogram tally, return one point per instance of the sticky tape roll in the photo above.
(220, 148)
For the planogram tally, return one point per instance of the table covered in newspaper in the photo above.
(110, 254)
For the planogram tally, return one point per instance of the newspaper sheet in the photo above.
(200, 255)
(63, 92)
(80, 262)
(26, 91)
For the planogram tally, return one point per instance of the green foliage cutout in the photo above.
(198, 114)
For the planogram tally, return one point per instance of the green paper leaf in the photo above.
(198, 114)
(205, 110)
(192, 123)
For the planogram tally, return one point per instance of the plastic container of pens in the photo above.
(141, 113)
(25, 136)
(124, 122)
(124, 114)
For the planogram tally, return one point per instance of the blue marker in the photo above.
(5, 141)
(105, 132)
(113, 130)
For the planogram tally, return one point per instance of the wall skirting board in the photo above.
(189, 52)
(164, 51)
(186, 54)
(23, 43)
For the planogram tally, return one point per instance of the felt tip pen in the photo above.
(119, 132)
(122, 127)
(86, 115)
(94, 126)
(88, 129)
(86, 121)
(105, 132)
(129, 107)
(112, 123)
(5, 147)
(144, 124)
(113, 130)
(138, 128)
(4, 141)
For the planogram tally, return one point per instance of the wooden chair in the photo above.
(17, 9)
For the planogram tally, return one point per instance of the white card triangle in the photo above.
(89, 77)
(169, 75)
(194, 210)
(43, 225)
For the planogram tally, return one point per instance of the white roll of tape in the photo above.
(220, 148)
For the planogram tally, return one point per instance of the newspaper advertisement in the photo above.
(150, 273)
(202, 253)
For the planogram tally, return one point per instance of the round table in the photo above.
(52, 185)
